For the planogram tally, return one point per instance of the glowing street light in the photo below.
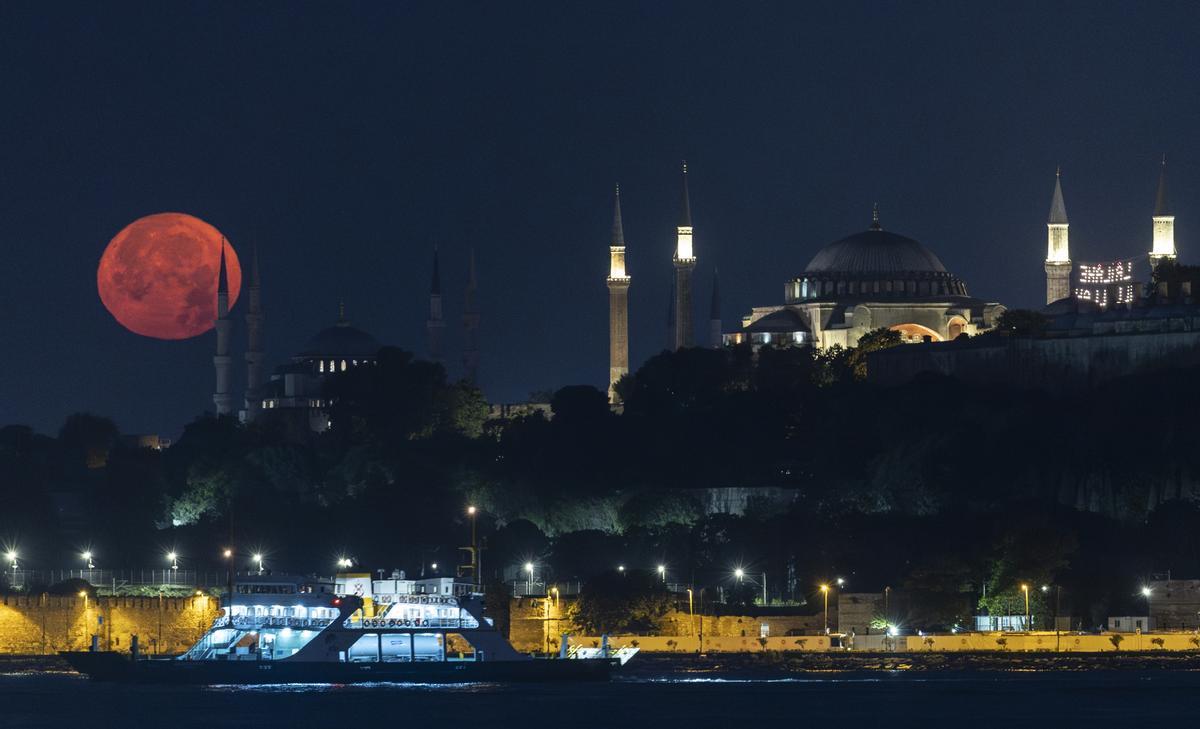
(433, 566)
(227, 553)
(621, 568)
(529, 577)
(662, 572)
(1025, 589)
(87, 559)
(841, 582)
(258, 558)
(739, 573)
(173, 558)
(474, 547)
(825, 594)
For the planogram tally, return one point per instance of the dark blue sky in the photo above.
(352, 139)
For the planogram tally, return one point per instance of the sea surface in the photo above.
(884, 699)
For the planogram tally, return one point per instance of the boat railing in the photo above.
(408, 624)
(271, 621)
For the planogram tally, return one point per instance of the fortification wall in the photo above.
(1061, 363)
(42, 624)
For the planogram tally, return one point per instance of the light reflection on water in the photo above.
(366, 685)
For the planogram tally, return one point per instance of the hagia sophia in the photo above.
(865, 281)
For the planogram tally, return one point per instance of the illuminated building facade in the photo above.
(866, 281)
(618, 303)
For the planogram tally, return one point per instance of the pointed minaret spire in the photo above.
(1058, 255)
(1163, 248)
(618, 303)
(435, 324)
(714, 314)
(222, 399)
(685, 263)
(1058, 209)
(252, 404)
(470, 326)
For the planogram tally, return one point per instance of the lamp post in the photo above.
(11, 556)
(258, 558)
(1146, 591)
(227, 553)
(528, 577)
(173, 558)
(691, 613)
(1025, 589)
(621, 569)
(87, 560)
(825, 594)
(471, 510)
(662, 572)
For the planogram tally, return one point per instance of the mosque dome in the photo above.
(875, 264)
(341, 340)
(875, 251)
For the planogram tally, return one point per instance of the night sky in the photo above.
(351, 139)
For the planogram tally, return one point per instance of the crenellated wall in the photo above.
(42, 624)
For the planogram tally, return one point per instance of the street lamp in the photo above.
(11, 556)
(529, 577)
(621, 568)
(825, 594)
(662, 572)
(87, 559)
(471, 510)
(691, 613)
(1025, 589)
(1146, 594)
(433, 566)
(258, 558)
(739, 573)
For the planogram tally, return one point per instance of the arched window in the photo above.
(321, 366)
(343, 365)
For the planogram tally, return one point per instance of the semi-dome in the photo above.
(875, 251)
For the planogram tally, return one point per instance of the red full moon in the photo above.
(158, 276)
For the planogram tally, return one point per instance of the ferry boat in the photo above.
(293, 630)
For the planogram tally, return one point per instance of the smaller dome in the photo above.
(341, 340)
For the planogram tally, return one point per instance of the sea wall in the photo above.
(42, 624)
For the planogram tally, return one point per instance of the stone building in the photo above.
(869, 280)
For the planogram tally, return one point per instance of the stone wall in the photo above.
(1068, 362)
(44, 624)
(533, 625)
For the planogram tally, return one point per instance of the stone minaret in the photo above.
(1164, 223)
(221, 361)
(470, 327)
(685, 262)
(618, 303)
(1058, 255)
(254, 349)
(714, 314)
(435, 324)
(671, 317)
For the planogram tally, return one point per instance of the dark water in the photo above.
(900, 699)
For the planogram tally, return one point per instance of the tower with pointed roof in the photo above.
(714, 314)
(254, 348)
(685, 264)
(222, 398)
(435, 324)
(1058, 255)
(618, 303)
(470, 327)
(1163, 249)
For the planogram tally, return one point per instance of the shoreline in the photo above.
(751, 664)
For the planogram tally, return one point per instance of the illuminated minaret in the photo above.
(435, 324)
(685, 262)
(714, 314)
(1164, 223)
(1058, 255)
(221, 361)
(618, 303)
(470, 327)
(254, 350)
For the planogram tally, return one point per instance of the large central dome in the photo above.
(875, 251)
